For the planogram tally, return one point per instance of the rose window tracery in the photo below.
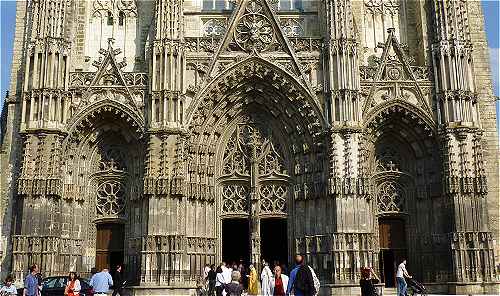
(254, 30)
(110, 198)
(390, 197)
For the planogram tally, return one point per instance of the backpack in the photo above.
(304, 280)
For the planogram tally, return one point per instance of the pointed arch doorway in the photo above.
(254, 188)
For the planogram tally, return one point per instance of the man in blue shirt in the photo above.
(301, 281)
(31, 282)
(101, 282)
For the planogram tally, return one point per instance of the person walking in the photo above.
(253, 283)
(279, 282)
(73, 286)
(400, 278)
(234, 288)
(101, 282)
(8, 289)
(303, 280)
(265, 278)
(219, 281)
(31, 282)
(118, 281)
(367, 283)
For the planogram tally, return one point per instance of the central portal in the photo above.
(254, 188)
(235, 240)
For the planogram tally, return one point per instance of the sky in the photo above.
(7, 19)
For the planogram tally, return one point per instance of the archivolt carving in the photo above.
(254, 86)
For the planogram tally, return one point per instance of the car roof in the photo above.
(61, 276)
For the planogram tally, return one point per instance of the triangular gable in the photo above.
(108, 69)
(109, 74)
(394, 66)
(254, 29)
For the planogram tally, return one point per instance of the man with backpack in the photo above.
(303, 281)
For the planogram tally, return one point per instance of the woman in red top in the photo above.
(280, 282)
(73, 286)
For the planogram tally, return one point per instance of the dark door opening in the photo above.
(109, 245)
(392, 235)
(235, 240)
(274, 240)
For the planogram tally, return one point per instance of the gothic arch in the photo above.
(271, 75)
(85, 117)
(405, 166)
(399, 106)
(254, 87)
(103, 167)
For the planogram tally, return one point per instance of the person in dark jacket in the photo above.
(211, 280)
(234, 288)
(367, 283)
(118, 281)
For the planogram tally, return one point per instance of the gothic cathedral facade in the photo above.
(170, 134)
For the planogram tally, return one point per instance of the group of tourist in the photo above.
(225, 280)
(101, 282)
(232, 280)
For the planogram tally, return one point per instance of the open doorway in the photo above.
(392, 235)
(274, 240)
(109, 245)
(235, 240)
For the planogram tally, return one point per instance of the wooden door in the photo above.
(109, 245)
(392, 236)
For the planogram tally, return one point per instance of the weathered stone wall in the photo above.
(10, 146)
(364, 119)
(488, 116)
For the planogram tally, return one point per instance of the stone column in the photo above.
(470, 240)
(351, 242)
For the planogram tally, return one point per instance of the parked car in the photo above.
(55, 285)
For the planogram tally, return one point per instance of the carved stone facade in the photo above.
(367, 127)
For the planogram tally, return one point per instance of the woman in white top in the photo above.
(219, 281)
(279, 282)
(73, 286)
(8, 289)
